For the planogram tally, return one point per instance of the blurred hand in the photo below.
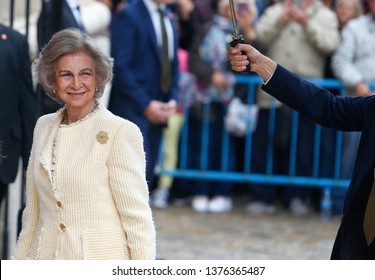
(218, 80)
(361, 89)
(158, 112)
(171, 107)
(298, 15)
(285, 18)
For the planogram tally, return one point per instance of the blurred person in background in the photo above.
(171, 134)
(353, 63)
(203, 12)
(345, 11)
(300, 35)
(183, 10)
(145, 84)
(18, 112)
(215, 85)
(355, 239)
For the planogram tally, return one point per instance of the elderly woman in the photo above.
(87, 197)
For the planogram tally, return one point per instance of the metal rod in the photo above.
(234, 18)
(27, 11)
(11, 18)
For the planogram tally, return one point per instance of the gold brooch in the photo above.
(102, 137)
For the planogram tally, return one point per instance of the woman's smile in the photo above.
(76, 81)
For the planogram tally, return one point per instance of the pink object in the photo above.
(183, 57)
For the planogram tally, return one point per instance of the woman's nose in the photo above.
(76, 82)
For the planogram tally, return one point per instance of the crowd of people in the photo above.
(168, 56)
(306, 37)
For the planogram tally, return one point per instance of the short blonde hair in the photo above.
(68, 41)
(357, 5)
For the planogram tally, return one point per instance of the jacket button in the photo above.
(59, 203)
(62, 226)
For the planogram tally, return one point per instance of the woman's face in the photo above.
(76, 80)
(371, 5)
(345, 10)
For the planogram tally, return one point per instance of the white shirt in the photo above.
(73, 4)
(152, 8)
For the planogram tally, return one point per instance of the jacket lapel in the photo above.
(47, 147)
(145, 17)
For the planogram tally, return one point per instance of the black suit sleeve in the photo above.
(319, 105)
(27, 102)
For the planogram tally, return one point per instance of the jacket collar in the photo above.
(47, 149)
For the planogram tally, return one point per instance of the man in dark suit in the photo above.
(55, 15)
(355, 238)
(17, 111)
(17, 105)
(139, 93)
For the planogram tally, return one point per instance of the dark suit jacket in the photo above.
(56, 15)
(346, 114)
(17, 103)
(137, 64)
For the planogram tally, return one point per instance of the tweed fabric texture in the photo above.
(87, 197)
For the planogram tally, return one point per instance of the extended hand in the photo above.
(260, 64)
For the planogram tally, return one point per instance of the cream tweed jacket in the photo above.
(87, 196)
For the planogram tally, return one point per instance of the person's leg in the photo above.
(171, 137)
(3, 192)
(221, 191)
(298, 198)
(151, 138)
(199, 188)
(3, 199)
(261, 192)
(263, 196)
(350, 146)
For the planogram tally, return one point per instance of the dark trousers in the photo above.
(214, 150)
(3, 197)
(262, 137)
(304, 166)
(152, 135)
(3, 192)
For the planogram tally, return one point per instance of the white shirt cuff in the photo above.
(266, 82)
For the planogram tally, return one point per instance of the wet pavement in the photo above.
(183, 234)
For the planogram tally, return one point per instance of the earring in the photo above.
(96, 89)
(54, 90)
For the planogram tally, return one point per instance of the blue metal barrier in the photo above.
(268, 177)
